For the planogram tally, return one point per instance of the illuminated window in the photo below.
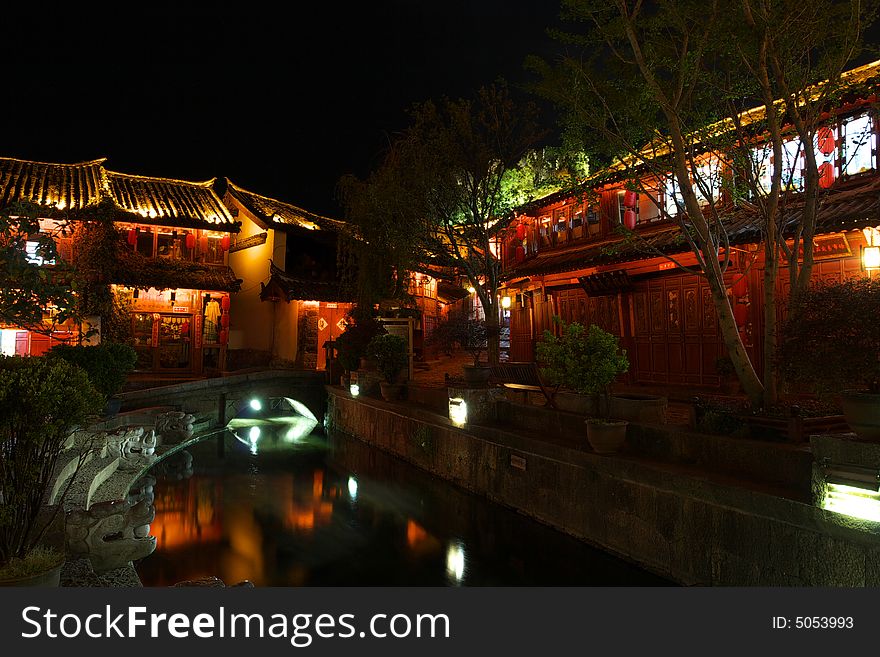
(31, 251)
(859, 150)
(673, 201)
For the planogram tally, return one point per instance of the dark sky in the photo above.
(283, 102)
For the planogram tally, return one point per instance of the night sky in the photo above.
(282, 103)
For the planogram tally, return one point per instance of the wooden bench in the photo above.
(524, 378)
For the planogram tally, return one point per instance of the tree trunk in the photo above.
(771, 270)
(493, 334)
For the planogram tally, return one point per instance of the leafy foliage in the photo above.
(586, 360)
(390, 353)
(41, 399)
(832, 337)
(352, 345)
(459, 329)
(28, 287)
(106, 364)
(438, 198)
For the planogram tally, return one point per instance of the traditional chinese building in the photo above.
(566, 255)
(170, 271)
(291, 301)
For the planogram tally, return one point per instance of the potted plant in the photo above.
(832, 344)
(106, 365)
(587, 360)
(470, 335)
(41, 399)
(391, 357)
(351, 346)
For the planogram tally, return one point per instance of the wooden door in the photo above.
(675, 332)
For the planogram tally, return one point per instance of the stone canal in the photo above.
(281, 509)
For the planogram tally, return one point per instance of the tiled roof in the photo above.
(61, 186)
(71, 188)
(280, 214)
(138, 271)
(158, 200)
(299, 288)
(844, 210)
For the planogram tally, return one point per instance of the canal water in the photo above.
(287, 510)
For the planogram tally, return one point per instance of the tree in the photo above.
(659, 90)
(439, 199)
(35, 290)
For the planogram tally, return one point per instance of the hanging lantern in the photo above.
(520, 231)
(629, 219)
(741, 286)
(224, 336)
(826, 175)
(741, 314)
(132, 236)
(190, 241)
(224, 303)
(519, 254)
(630, 199)
(224, 320)
(825, 139)
(203, 243)
(224, 242)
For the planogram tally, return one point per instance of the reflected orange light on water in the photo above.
(187, 513)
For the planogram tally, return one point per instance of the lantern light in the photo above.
(870, 257)
(458, 411)
(826, 175)
(630, 199)
(256, 404)
(354, 389)
(224, 336)
(190, 241)
(224, 303)
(505, 303)
(471, 289)
(629, 219)
(825, 140)
(224, 320)
(224, 242)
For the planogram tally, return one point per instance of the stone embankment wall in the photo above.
(680, 522)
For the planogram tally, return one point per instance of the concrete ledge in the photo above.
(680, 522)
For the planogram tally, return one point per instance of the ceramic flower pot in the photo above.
(606, 436)
(862, 413)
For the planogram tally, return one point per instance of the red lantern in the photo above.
(184, 328)
(520, 231)
(224, 242)
(203, 243)
(629, 219)
(224, 320)
(224, 303)
(741, 286)
(190, 241)
(224, 336)
(741, 314)
(826, 175)
(519, 254)
(132, 236)
(825, 139)
(630, 199)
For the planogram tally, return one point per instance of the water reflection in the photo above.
(294, 513)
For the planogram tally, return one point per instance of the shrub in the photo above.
(390, 353)
(584, 360)
(832, 337)
(459, 329)
(351, 346)
(106, 364)
(41, 399)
